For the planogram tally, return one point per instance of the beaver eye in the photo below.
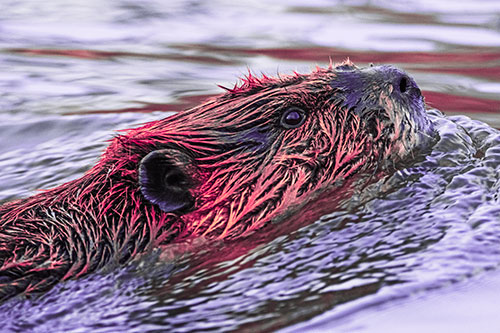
(293, 117)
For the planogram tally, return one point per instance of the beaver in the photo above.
(220, 170)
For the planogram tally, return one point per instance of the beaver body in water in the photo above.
(220, 170)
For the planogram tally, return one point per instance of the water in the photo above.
(413, 243)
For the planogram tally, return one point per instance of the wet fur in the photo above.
(245, 171)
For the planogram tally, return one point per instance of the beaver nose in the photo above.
(403, 84)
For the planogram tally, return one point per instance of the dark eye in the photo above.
(293, 117)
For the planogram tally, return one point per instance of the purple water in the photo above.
(416, 251)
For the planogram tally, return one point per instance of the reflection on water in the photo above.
(76, 73)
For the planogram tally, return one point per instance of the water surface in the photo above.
(413, 243)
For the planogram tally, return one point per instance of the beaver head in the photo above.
(240, 160)
(219, 170)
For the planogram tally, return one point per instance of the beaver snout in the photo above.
(355, 82)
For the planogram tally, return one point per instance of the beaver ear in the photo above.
(164, 180)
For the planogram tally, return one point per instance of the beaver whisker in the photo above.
(426, 134)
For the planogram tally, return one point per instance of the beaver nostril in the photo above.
(403, 84)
